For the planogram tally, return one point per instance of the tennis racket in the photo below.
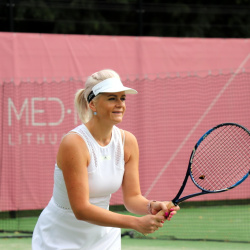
(219, 161)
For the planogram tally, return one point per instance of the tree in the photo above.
(128, 17)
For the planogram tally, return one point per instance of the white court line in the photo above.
(195, 126)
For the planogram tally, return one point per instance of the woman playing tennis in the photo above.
(93, 161)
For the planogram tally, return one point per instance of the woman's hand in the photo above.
(161, 211)
(149, 223)
(165, 207)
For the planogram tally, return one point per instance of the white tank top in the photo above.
(57, 227)
(105, 170)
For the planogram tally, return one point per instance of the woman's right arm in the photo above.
(73, 158)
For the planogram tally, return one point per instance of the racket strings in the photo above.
(229, 158)
(208, 150)
(219, 180)
(222, 158)
(225, 161)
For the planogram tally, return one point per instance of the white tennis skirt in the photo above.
(58, 229)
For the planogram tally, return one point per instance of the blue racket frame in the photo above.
(176, 200)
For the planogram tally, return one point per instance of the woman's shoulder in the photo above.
(129, 137)
(74, 137)
(71, 147)
(78, 128)
(131, 148)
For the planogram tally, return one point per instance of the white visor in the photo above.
(110, 85)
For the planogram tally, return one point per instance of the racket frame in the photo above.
(176, 200)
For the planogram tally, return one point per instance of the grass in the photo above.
(207, 223)
(216, 227)
(141, 244)
(147, 244)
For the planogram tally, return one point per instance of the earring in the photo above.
(95, 113)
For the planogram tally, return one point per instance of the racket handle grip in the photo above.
(169, 206)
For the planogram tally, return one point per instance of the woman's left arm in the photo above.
(133, 199)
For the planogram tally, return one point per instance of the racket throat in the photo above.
(176, 199)
(188, 197)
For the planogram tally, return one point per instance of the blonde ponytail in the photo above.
(82, 106)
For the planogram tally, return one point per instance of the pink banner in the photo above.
(34, 119)
(185, 86)
(49, 57)
(168, 116)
